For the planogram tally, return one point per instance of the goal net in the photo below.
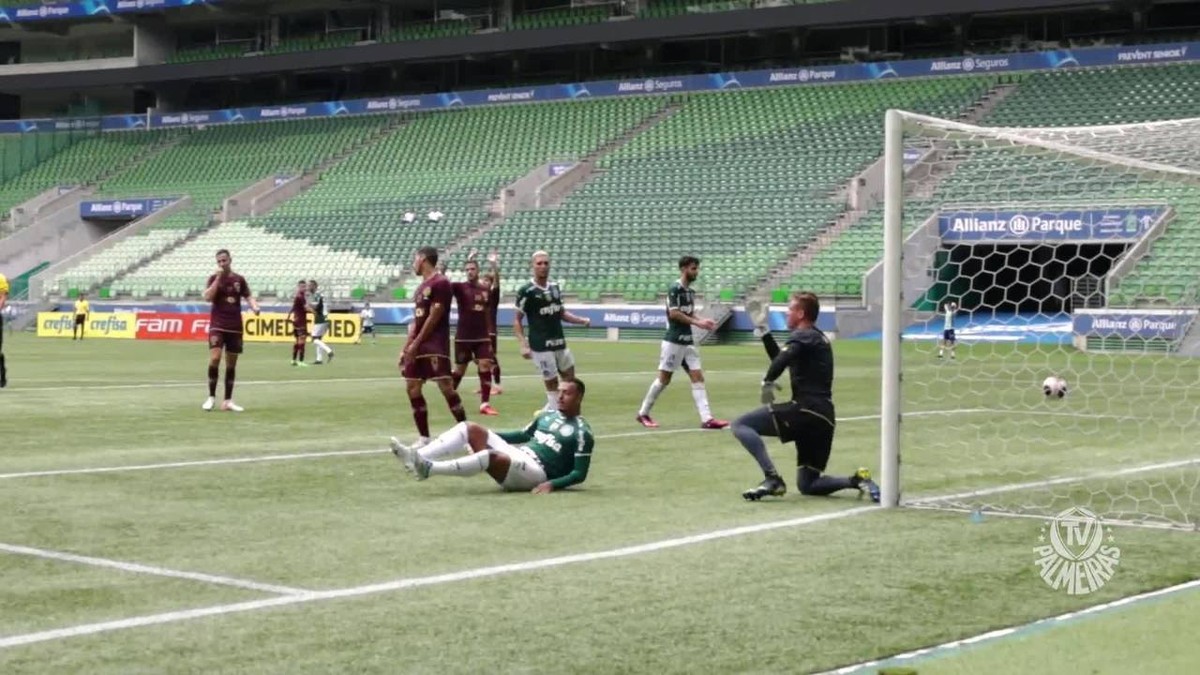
(1069, 253)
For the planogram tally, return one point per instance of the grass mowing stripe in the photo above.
(138, 568)
(177, 384)
(345, 453)
(928, 653)
(417, 582)
(184, 615)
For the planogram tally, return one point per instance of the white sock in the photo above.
(656, 388)
(322, 348)
(700, 396)
(464, 466)
(551, 400)
(449, 443)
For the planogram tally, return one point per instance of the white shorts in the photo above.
(525, 472)
(671, 356)
(550, 364)
(319, 330)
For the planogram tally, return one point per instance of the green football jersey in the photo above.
(562, 444)
(317, 302)
(543, 309)
(682, 298)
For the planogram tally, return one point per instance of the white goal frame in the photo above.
(1053, 140)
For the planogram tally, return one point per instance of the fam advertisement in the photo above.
(154, 325)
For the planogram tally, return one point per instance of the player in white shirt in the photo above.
(948, 340)
(367, 314)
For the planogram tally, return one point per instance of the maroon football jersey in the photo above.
(436, 290)
(472, 299)
(227, 303)
(299, 310)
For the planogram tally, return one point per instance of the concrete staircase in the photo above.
(865, 191)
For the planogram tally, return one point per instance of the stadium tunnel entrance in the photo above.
(1042, 278)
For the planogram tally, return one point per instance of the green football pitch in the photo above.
(141, 534)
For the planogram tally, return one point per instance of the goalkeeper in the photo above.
(807, 419)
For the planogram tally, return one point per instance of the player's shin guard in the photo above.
(700, 396)
(449, 443)
(466, 466)
(485, 387)
(656, 388)
(212, 380)
(230, 376)
(421, 416)
(456, 407)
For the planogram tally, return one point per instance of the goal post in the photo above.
(1065, 252)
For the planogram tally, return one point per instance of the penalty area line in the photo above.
(417, 582)
(151, 570)
(1020, 631)
(349, 453)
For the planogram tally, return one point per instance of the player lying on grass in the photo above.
(552, 453)
(808, 419)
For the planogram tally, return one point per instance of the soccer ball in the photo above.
(1054, 387)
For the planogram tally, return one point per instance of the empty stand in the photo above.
(1059, 98)
(740, 179)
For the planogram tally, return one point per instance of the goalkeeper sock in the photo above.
(466, 466)
(551, 401)
(753, 443)
(656, 388)
(449, 443)
(700, 396)
(812, 482)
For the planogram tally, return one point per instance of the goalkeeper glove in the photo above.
(768, 392)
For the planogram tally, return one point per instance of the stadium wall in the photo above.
(1180, 52)
(685, 26)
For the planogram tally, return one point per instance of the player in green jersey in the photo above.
(540, 300)
(553, 453)
(316, 305)
(679, 350)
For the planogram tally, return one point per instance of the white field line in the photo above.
(137, 568)
(1024, 630)
(400, 584)
(1115, 522)
(345, 453)
(1015, 487)
(416, 582)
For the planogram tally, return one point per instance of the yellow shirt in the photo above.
(3, 285)
(82, 307)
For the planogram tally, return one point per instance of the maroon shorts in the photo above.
(495, 346)
(466, 352)
(300, 330)
(230, 342)
(426, 367)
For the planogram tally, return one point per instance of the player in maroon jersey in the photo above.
(471, 341)
(225, 290)
(426, 354)
(299, 318)
(492, 279)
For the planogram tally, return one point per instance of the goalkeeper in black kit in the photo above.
(808, 418)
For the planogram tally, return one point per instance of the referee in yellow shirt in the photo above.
(82, 310)
(3, 304)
